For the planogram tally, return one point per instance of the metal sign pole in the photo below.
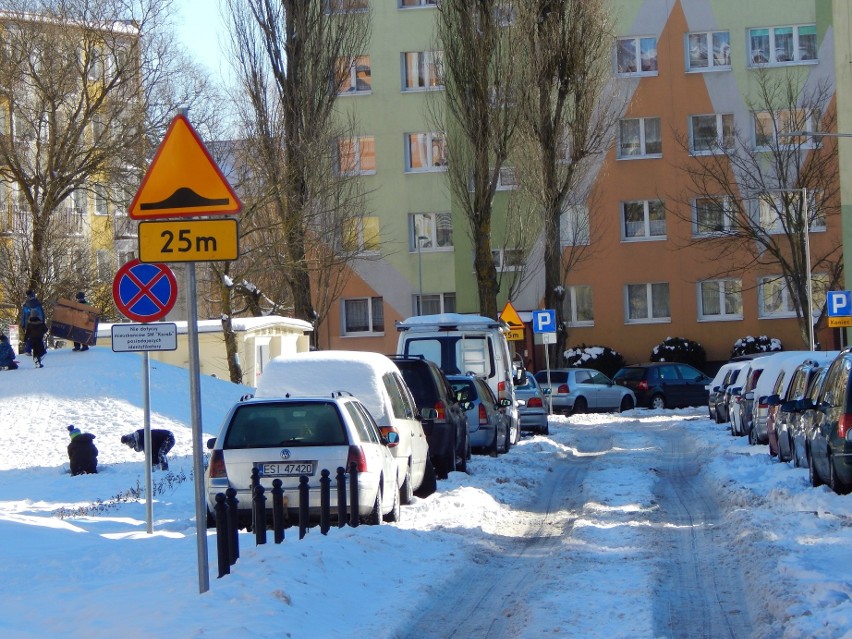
(197, 451)
(149, 475)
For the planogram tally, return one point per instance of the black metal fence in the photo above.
(227, 505)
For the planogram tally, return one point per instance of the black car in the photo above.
(829, 442)
(445, 424)
(665, 384)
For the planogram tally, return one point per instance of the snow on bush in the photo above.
(601, 358)
(749, 345)
(680, 349)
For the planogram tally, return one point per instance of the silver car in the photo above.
(534, 409)
(487, 426)
(580, 390)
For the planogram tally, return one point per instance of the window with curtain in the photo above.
(647, 302)
(425, 152)
(643, 219)
(720, 299)
(422, 70)
(363, 315)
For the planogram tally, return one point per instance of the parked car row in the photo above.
(797, 403)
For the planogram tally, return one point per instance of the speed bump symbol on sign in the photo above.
(188, 241)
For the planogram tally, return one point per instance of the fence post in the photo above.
(278, 510)
(304, 509)
(233, 525)
(222, 535)
(354, 502)
(259, 505)
(341, 497)
(255, 482)
(325, 501)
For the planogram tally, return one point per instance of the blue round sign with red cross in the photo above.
(144, 292)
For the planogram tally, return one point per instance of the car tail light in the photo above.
(217, 465)
(534, 402)
(387, 430)
(844, 426)
(356, 455)
(563, 389)
(501, 390)
(483, 416)
(643, 385)
(441, 410)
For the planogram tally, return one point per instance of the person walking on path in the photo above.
(7, 355)
(31, 307)
(81, 299)
(82, 452)
(34, 336)
(162, 441)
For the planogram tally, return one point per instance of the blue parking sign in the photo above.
(544, 321)
(839, 303)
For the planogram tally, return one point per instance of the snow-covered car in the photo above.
(580, 390)
(533, 411)
(286, 438)
(487, 426)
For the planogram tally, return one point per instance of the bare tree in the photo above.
(478, 115)
(82, 91)
(753, 201)
(303, 158)
(568, 114)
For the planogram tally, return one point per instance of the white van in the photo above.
(376, 381)
(460, 344)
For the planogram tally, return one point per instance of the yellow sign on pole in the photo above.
(188, 241)
(515, 335)
(839, 322)
(511, 317)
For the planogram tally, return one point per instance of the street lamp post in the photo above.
(420, 239)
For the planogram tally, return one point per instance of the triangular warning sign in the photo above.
(183, 180)
(510, 316)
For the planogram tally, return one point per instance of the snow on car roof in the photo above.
(322, 372)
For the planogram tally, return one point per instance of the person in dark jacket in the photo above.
(162, 441)
(34, 335)
(7, 354)
(31, 307)
(82, 452)
(81, 299)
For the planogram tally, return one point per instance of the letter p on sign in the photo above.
(839, 303)
(544, 321)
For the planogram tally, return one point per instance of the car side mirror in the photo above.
(391, 439)
(211, 443)
(506, 402)
(519, 376)
(428, 414)
(546, 390)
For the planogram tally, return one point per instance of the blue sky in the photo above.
(199, 27)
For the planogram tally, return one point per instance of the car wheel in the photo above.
(430, 482)
(374, 518)
(580, 405)
(494, 448)
(812, 474)
(627, 403)
(394, 513)
(507, 440)
(658, 402)
(465, 454)
(834, 483)
(545, 430)
(406, 492)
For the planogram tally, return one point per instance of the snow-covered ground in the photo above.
(79, 563)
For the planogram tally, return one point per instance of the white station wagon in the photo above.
(287, 438)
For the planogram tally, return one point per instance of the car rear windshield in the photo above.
(464, 389)
(286, 424)
(556, 377)
(630, 374)
(420, 381)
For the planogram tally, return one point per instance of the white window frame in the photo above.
(357, 142)
(784, 308)
(722, 140)
(363, 243)
(574, 229)
(371, 321)
(637, 42)
(335, 7)
(446, 303)
(417, 4)
(430, 63)
(643, 139)
(503, 262)
(648, 232)
(727, 216)
(100, 204)
(507, 179)
(432, 140)
(768, 217)
(427, 225)
(350, 74)
(725, 288)
(717, 60)
(650, 318)
(781, 121)
(570, 305)
(758, 57)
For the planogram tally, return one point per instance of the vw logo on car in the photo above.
(285, 454)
